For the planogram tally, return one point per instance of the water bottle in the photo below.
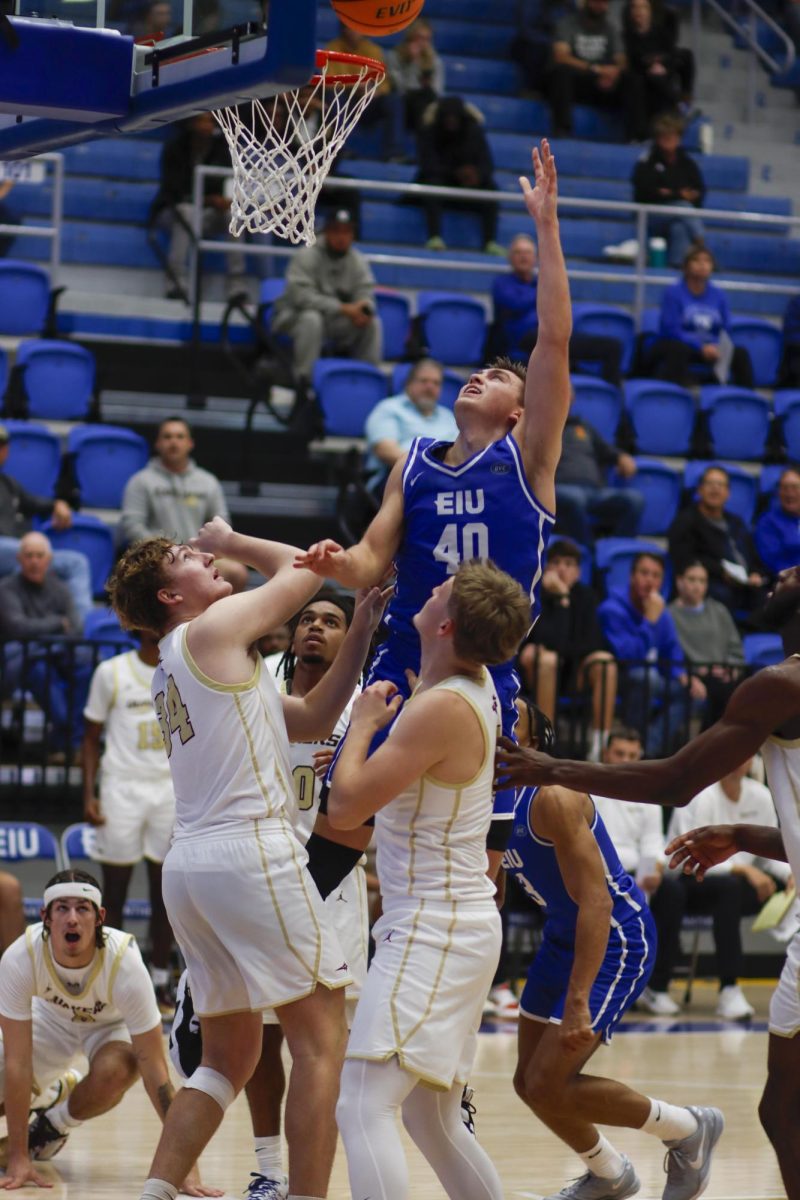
(657, 247)
(706, 137)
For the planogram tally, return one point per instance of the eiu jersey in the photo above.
(533, 863)
(484, 508)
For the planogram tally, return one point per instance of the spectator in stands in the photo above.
(650, 32)
(7, 217)
(382, 109)
(734, 889)
(38, 620)
(415, 412)
(636, 830)
(589, 66)
(778, 530)
(156, 22)
(566, 653)
(416, 72)
(516, 323)
(704, 531)
(694, 316)
(643, 638)
(584, 501)
(710, 640)
(669, 175)
(452, 151)
(196, 142)
(174, 497)
(789, 376)
(17, 506)
(329, 297)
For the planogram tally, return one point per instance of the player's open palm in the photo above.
(702, 848)
(541, 200)
(192, 1186)
(376, 706)
(22, 1174)
(370, 603)
(322, 558)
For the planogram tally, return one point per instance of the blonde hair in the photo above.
(490, 612)
(427, 57)
(134, 583)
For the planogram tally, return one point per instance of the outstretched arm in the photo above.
(547, 390)
(366, 563)
(18, 1051)
(756, 709)
(706, 847)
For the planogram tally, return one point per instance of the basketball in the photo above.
(378, 18)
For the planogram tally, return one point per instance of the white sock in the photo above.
(269, 1156)
(159, 1189)
(669, 1122)
(159, 976)
(603, 1160)
(60, 1117)
(595, 746)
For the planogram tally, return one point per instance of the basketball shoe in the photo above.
(594, 1187)
(688, 1162)
(262, 1187)
(44, 1140)
(57, 1091)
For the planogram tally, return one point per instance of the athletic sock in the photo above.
(60, 1117)
(269, 1156)
(669, 1122)
(159, 1189)
(604, 1160)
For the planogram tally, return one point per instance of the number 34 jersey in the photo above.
(484, 508)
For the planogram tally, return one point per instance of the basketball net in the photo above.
(283, 148)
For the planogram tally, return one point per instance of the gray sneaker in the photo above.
(688, 1161)
(594, 1187)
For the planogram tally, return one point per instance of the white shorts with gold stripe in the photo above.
(57, 1045)
(426, 987)
(784, 1007)
(249, 919)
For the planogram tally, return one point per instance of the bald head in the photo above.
(34, 555)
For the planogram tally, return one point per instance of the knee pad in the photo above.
(206, 1079)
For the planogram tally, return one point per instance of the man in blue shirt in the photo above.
(778, 530)
(415, 412)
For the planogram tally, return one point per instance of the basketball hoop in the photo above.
(283, 148)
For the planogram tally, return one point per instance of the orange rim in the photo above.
(375, 69)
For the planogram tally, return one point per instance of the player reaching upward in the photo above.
(763, 714)
(489, 494)
(245, 912)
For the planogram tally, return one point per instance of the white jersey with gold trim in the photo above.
(431, 839)
(120, 698)
(227, 744)
(782, 763)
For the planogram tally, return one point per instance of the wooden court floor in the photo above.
(107, 1158)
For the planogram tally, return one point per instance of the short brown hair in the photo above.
(502, 363)
(694, 252)
(133, 584)
(490, 611)
(668, 123)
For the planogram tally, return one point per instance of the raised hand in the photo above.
(541, 200)
(694, 852)
(370, 605)
(322, 558)
(212, 538)
(377, 706)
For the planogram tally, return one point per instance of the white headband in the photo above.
(82, 891)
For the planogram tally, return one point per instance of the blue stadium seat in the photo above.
(93, 538)
(27, 841)
(454, 326)
(102, 625)
(105, 458)
(58, 380)
(769, 477)
(451, 383)
(763, 649)
(614, 557)
(662, 414)
(598, 403)
(738, 421)
(34, 457)
(604, 320)
(744, 486)
(394, 312)
(24, 297)
(661, 487)
(3, 375)
(268, 292)
(347, 392)
(787, 412)
(763, 342)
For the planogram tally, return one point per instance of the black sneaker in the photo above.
(44, 1140)
(468, 1109)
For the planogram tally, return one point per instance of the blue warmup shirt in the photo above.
(694, 319)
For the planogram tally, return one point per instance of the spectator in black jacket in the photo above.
(566, 651)
(197, 142)
(669, 175)
(705, 532)
(453, 152)
(650, 33)
(583, 497)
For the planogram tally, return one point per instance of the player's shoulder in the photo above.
(560, 807)
(18, 952)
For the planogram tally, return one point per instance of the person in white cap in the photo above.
(72, 987)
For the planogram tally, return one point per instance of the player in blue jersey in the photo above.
(489, 494)
(597, 952)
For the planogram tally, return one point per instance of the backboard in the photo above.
(81, 69)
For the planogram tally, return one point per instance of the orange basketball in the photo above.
(377, 18)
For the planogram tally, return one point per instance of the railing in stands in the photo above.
(746, 28)
(35, 171)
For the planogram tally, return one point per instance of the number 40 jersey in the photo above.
(484, 508)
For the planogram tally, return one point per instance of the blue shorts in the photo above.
(622, 977)
(392, 660)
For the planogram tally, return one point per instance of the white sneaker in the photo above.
(733, 1005)
(627, 250)
(660, 1004)
(504, 1001)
